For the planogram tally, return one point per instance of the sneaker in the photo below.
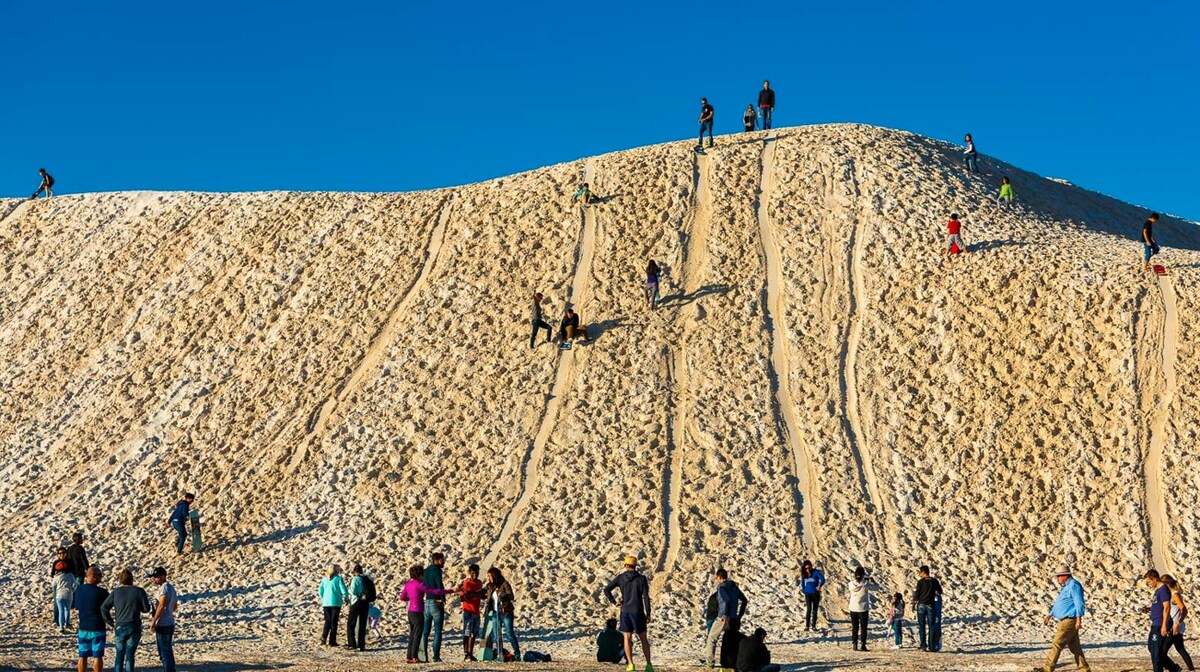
(895, 647)
(649, 667)
(629, 667)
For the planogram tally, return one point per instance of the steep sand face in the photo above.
(348, 377)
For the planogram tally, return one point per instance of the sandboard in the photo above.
(1159, 269)
(197, 541)
(565, 345)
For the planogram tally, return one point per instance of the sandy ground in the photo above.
(347, 377)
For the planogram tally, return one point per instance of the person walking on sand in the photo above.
(753, 655)
(46, 186)
(766, 103)
(583, 194)
(859, 594)
(970, 156)
(1067, 611)
(78, 557)
(653, 275)
(1179, 613)
(414, 593)
(706, 124)
(635, 609)
(954, 239)
(470, 594)
(896, 620)
(129, 602)
(750, 119)
(178, 520)
(731, 603)
(1160, 624)
(811, 582)
(93, 632)
(162, 622)
(1149, 242)
(927, 593)
(435, 609)
(63, 585)
(536, 319)
(501, 599)
(1005, 196)
(332, 592)
(360, 605)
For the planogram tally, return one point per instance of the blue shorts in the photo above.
(91, 643)
(470, 625)
(633, 623)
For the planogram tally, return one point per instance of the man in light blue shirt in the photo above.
(1067, 610)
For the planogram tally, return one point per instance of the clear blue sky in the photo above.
(387, 96)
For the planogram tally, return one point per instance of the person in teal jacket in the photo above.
(332, 592)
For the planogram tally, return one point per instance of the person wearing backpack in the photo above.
(362, 594)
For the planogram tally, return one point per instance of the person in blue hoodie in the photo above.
(731, 604)
(178, 520)
(812, 580)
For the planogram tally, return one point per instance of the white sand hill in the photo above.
(347, 377)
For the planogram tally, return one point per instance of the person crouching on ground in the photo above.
(571, 329)
(610, 644)
(753, 655)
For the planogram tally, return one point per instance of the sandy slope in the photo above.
(347, 377)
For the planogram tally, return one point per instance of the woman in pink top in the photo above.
(414, 593)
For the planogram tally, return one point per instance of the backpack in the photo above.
(368, 589)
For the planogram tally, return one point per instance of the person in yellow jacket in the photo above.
(1006, 193)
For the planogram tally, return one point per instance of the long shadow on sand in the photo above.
(276, 536)
(227, 592)
(681, 298)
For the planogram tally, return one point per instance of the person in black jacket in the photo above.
(753, 655)
(570, 328)
(535, 318)
(766, 103)
(926, 594)
(77, 556)
(46, 186)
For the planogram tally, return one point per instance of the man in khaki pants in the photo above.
(1068, 611)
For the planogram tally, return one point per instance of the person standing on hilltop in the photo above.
(635, 609)
(77, 556)
(970, 156)
(46, 186)
(954, 241)
(178, 520)
(1149, 242)
(93, 633)
(1067, 611)
(750, 119)
(811, 582)
(435, 609)
(731, 604)
(536, 319)
(766, 103)
(706, 124)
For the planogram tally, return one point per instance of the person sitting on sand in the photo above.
(954, 236)
(753, 655)
(610, 644)
(570, 328)
(584, 194)
(730, 643)
(1006, 193)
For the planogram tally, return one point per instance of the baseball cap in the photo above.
(630, 561)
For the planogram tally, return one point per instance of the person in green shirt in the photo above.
(1006, 193)
(610, 644)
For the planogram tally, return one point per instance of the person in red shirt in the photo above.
(471, 593)
(954, 237)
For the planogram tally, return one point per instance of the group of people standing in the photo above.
(750, 119)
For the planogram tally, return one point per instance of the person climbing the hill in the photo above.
(332, 592)
(970, 156)
(925, 596)
(635, 609)
(753, 655)
(502, 599)
(1149, 242)
(609, 644)
(750, 119)
(470, 594)
(537, 321)
(706, 124)
(954, 241)
(360, 603)
(1006, 193)
(811, 582)
(731, 603)
(859, 596)
(570, 328)
(653, 274)
(46, 186)
(77, 556)
(766, 103)
(730, 643)
(1160, 624)
(93, 632)
(62, 585)
(129, 602)
(162, 621)
(1179, 613)
(583, 194)
(1067, 611)
(896, 620)
(178, 520)
(435, 609)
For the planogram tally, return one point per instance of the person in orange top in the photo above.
(954, 237)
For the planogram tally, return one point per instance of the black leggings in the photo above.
(858, 628)
(811, 602)
(416, 623)
(333, 616)
(1177, 642)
